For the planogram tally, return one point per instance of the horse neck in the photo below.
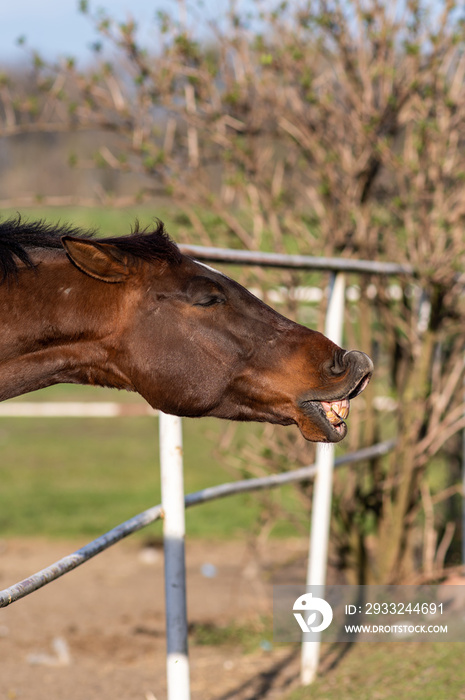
(56, 323)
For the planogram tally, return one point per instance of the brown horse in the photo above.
(135, 314)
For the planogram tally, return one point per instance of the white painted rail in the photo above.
(323, 488)
(73, 409)
(174, 531)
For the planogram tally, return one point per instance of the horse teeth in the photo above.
(341, 408)
(336, 410)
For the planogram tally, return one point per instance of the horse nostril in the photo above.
(338, 366)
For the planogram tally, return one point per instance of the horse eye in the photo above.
(210, 301)
(202, 291)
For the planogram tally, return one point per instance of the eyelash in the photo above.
(210, 302)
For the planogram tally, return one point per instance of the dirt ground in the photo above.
(98, 632)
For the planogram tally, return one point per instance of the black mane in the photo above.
(18, 237)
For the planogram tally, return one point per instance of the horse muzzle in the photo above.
(325, 410)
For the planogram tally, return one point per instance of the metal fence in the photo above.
(174, 503)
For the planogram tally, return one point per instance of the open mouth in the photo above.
(333, 414)
(329, 416)
(336, 412)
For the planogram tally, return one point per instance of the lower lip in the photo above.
(339, 427)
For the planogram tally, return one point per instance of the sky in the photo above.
(56, 27)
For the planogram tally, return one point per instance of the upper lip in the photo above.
(350, 394)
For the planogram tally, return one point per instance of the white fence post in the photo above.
(322, 494)
(172, 491)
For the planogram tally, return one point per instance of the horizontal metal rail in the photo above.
(298, 262)
(72, 561)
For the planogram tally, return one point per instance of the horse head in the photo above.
(193, 342)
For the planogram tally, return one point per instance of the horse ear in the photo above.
(102, 261)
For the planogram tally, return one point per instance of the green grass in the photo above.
(108, 221)
(395, 671)
(73, 477)
(391, 671)
(249, 636)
